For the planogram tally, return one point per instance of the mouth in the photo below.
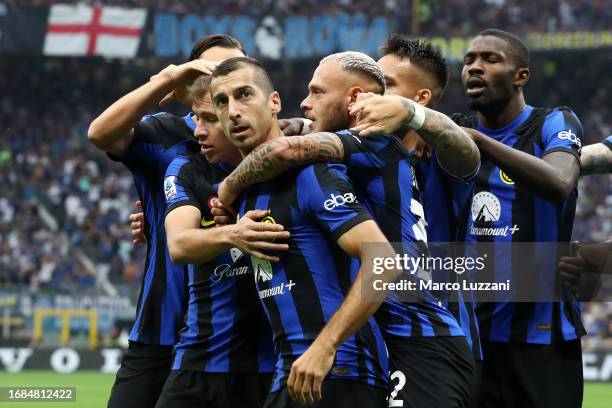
(206, 148)
(475, 86)
(240, 131)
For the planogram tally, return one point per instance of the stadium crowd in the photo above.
(453, 17)
(61, 199)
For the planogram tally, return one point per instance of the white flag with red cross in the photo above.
(79, 30)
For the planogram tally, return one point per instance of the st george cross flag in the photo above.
(79, 30)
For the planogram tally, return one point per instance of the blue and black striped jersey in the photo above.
(226, 329)
(608, 142)
(382, 171)
(503, 211)
(446, 201)
(158, 139)
(300, 293)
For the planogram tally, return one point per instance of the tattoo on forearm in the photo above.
(279, 155)
(454, 146)
(596, 159)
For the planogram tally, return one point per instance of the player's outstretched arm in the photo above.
(377, 114)
(310, 369)
(277, 156)
(113, 130)
(596, 159)
(188, 243)
(552, 177)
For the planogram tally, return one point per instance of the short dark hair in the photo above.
(420, 53)
(517, 47)
(215, 40)
(262, 78)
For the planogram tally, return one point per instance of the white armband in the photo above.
(419, 117)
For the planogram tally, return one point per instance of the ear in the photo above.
(521, 77)
(275, 102)
(423, 96)
(354, 92)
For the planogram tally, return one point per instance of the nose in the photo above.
(475, 68)
(200, 131)
(306, 104)
(233, 109)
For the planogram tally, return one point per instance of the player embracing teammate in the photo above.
(331, 344)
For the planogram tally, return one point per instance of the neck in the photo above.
(498, 118)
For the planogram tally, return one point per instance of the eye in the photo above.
(245, 94)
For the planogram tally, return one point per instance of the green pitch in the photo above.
(92, 389)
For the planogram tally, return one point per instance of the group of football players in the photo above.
(260, 231)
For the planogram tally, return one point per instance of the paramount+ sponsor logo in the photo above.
(338, 200)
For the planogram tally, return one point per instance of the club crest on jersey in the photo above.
(269, 220)
(505, 178)
(170, 188)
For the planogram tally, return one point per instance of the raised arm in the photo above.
(552, 177)
(596, 159)
(276, 157)
(457, 153)
(113, 130)
(310, 369)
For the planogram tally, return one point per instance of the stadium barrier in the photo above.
(597, 365)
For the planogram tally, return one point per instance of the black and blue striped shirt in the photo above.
(502, 211)
(300, 293)
(382, 171)
(226, 329)
(158, 139)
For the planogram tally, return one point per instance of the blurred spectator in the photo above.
(451, 17)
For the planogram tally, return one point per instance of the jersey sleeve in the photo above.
(608, 142)
(179, 185)
(361, 151)
(152, 135)
(326, 193)
(562, 131)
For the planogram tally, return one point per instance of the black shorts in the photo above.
(186, 388)
(335, 393)
(144, 369)
(430, 372)
(532, 375)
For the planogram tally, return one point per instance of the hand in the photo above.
(181, 77)
(378, 114)
(309, 371)
(252, 236)
(226, 194)
(223, 215)
(291, 127)
(137, 222)
(578, 275)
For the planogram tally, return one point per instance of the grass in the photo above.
(93, 389)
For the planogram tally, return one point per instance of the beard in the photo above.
(335, 119)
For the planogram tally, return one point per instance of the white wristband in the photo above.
(419, 117)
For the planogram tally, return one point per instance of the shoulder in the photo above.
(163, 128)
(179, 165)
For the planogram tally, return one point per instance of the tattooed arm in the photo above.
(596, 159)
(457, 153)
(276, 157)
